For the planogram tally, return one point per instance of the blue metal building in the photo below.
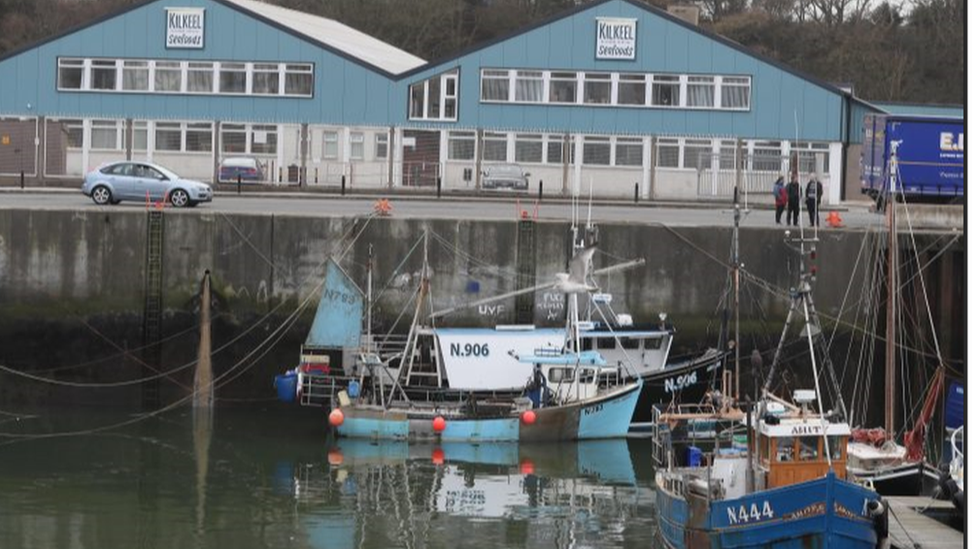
(613, 94)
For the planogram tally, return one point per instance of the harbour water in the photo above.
(274, 479)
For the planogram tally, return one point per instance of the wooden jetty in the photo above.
(908, 528)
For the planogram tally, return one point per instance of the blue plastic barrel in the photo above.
(287, 385)
(353, 389)
(694, 456)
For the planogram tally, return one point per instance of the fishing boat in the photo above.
(575, 394)
(772, 473)
(874, 454)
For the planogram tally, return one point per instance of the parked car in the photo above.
(249, 169)
(505, 176)
(111, 183)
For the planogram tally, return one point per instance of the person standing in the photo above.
(793, 202)
(814, 192)
(779, 197)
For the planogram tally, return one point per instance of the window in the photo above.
(433, 92)
(382, 145)
(264, 139)
(665, 90)
(199, 137)
(630, 151)
(169, 76)
(735, 92)
(596, 151)
(356, 145)
(169, 136)
(330, 145)
(460, 145)
(103, 74)
(495, 147)
(727, 155)
(784, 449)
(767, 156)
(809, 448)
(417, 95)
(812, 158)
(233, 78)
(606, 343)
(667, 152)
(562, 87)
(450, 96)
(631, 89)
(104, 134)
(835, 446)
(528, 86)
(494, 85)
(74, 133)
(70, 73)
(596, 88)
(701, 91)
(199, 77)
(630, 343)
(559, 375)
(698, 154)
(140, 135)
(233, 138)
(554, 149)
(298, 80)
(264, 81)
(135, 75)
(653, 343)
(528, 147)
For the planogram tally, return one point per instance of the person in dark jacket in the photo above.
(793, 202)
(814, 192)
(779, 197)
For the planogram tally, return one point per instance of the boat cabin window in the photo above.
(606, 343)
(809, 448)
(836, 447)
(587, 344)
(559, 375)
(653, 343)
(587, 375)
(784, 449)
(630, 342)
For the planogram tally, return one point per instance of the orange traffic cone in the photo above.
(833, 220)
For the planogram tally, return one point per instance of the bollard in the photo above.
(343, 192)
(540, 190)
(438, 186)
(22, 179)
(636, 192)
(238, 183)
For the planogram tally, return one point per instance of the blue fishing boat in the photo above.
(770, 474)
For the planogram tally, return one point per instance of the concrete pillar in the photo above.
(280, 149)
(85, 144)
(215, 152)
(442, 155)
(303, 152)
(577, 164)
(652, 169)
(127, 128)
(396, 153)
(836, 174)
(478, 141)
(390, 140)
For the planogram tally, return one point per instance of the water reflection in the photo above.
(272, 480)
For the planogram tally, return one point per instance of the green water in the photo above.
(274, 479)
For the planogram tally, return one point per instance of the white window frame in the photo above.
(330, 137)
(357, 146)
(74, 63)
(426, 96)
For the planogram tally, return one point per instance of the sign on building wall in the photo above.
(616, 38)
(184, 28)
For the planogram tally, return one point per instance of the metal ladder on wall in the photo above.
(525, 267)
(152, 309)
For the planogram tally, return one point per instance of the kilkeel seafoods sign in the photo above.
(184, 28)
(616, 38)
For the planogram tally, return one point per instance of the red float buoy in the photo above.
(335, 457)
(336, 417)
(437, 456)
(528, 417)
(527, 467)
(439, 424)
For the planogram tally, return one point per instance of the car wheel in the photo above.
(179, 198)
(101, 195)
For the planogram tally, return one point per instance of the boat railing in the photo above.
(958, 458)
(319, 389)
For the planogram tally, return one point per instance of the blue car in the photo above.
(118, 181)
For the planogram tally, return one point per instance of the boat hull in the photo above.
(606, 416)
(907, 479)
(685, 382)
(826, 512)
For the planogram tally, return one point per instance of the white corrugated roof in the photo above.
(341, 37)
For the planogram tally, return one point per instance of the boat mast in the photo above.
(369, 300)
(737, 214)
(892, 293)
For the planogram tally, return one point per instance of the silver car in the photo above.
(505, 176)
(118, 181)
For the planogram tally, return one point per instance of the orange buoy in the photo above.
(336, 417)
(439, 424)
(437, 456)
(528, 417)
(833, 220)
(526, 467)
(335, 457)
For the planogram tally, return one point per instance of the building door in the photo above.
(421, 158)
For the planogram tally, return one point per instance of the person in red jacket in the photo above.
(779, 196)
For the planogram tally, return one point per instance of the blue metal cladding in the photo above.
(345, 92)
(783, 105)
